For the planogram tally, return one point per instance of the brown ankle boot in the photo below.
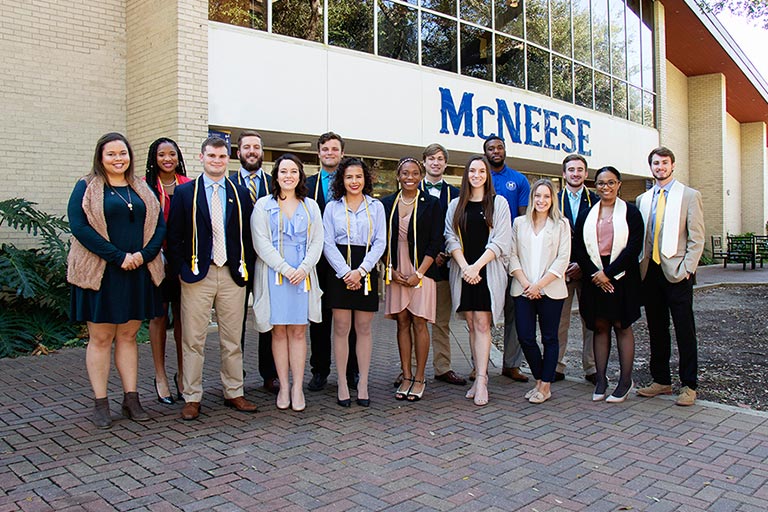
(101, 416)
(132, 408)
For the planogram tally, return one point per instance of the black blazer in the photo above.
(586, 202)
(447, 193)
(430, 224)
(315, 190)
(180, 232)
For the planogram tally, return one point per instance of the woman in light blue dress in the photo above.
(287, 233)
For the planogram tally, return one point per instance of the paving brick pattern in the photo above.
(442, 453)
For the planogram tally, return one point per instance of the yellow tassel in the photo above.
(367, 284)
(278, 279)
(195, 270)
(307, 285)
(389, 274)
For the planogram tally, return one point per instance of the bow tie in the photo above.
(438, 185)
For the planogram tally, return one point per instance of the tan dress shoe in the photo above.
(655, 389)
(190, 411)
(686, 397)
(240, 403)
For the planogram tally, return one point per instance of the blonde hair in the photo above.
(554, 210)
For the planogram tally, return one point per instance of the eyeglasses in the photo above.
(609, 184)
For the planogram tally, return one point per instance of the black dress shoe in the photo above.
(178, 391)
(591, 378)
(352, 380)
(344, 403)
(272, 385)
(363, 402)
(559, 376)
(167, 400)
(317, 383)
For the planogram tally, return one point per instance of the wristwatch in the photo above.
(419, 275)
(362, 271)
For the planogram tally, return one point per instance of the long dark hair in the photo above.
(98, 167)
(460, 216)
(153, 171)
(301, 186)
(337, 186)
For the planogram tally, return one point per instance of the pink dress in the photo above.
(420, 301)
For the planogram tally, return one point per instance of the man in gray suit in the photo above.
(674, 240)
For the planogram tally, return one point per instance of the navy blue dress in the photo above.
(124, 294)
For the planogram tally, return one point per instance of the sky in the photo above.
(752, 39)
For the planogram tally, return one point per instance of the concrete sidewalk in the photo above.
(442, 453)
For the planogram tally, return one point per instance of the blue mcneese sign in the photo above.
(522, 124)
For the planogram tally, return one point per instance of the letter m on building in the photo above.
(463, 115)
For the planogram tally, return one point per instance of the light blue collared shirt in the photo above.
(575, 200)
(246, 179)
(656, 188)
(335, 226)
(326, 177)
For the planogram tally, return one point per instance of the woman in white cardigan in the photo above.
(541, 249)
(287, 230)
(477, 230)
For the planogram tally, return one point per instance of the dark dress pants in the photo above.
(548, 311)
(267, 368)
(662, 298)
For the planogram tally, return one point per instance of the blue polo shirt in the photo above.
(513, 186)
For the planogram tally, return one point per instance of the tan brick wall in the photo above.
(732, 176)
(62, 85)
(675, 134)
(167, 74)
(660, 60)
(706, 121)
(754, 177)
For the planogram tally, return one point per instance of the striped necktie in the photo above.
(660, 205)
(252, 187)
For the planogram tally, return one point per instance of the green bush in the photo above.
(34, 294)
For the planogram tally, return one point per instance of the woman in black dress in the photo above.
(115, 268)
(477, 234)
(607, 243)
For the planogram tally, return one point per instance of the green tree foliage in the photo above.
(753, 10)
(34, 295)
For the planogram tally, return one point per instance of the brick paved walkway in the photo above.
(442, 453)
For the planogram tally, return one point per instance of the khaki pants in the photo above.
(587, 350)
(216, 289)
(441, 333)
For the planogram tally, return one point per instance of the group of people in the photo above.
(495, 251)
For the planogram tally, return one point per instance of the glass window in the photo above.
(562, 88)
(398, 31)
(438, 42)
(296, 18)
(619, 98)
(350, 24)
(583, 85)
(649, 110)
(646, 37)
(635, 105)
(618, 40)
(602, 93)
(537, 22)
(509, 17)
(476, 48)
(444, 6)
(633, 42)
(476, 11)
(538, 70)
(510, 62)
(600, 35)
(582, 36)
(243, 13)
(561, 26)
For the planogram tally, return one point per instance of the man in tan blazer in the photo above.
(674, 240)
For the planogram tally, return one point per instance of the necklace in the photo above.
(409, 203)
(128, 203)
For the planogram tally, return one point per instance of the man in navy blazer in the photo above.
(572, 200)
(213, 272)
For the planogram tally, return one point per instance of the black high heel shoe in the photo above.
(178, 392)
(167, 400)
(347, 402)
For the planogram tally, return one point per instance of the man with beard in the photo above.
(572, 200)
(251, 176)
(514, 187)
(330, 151)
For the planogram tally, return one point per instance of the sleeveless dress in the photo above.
(289, 304)
(475, 297)
(420, 301)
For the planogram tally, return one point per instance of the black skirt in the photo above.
(336, 293)
(623, 305)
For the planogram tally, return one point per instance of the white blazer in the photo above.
(555, 256)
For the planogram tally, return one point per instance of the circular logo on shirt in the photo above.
(511, 185)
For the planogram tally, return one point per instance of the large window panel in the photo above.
(444, 6)
(634, 63)
(646, 37)
(635, 105)
(649, 109)
(510, 62)
(618, 39)
(603, 93)
(600, 49)
(619, 98)
(509, 17)
(560, 11)
(476, 11)
(537, 22)
(582, 31)
(350, 24)
(538, 70)
(438, 42)
(476, 50)
(582, 86)
(562, 83)
(243, 13)
(296, 18)
(398, 31)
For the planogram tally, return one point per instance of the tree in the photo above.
(753, 10)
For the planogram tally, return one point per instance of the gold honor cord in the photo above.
(565, 192)
(367, 287)
(278, 275)
(415, 238)
(194, 263)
